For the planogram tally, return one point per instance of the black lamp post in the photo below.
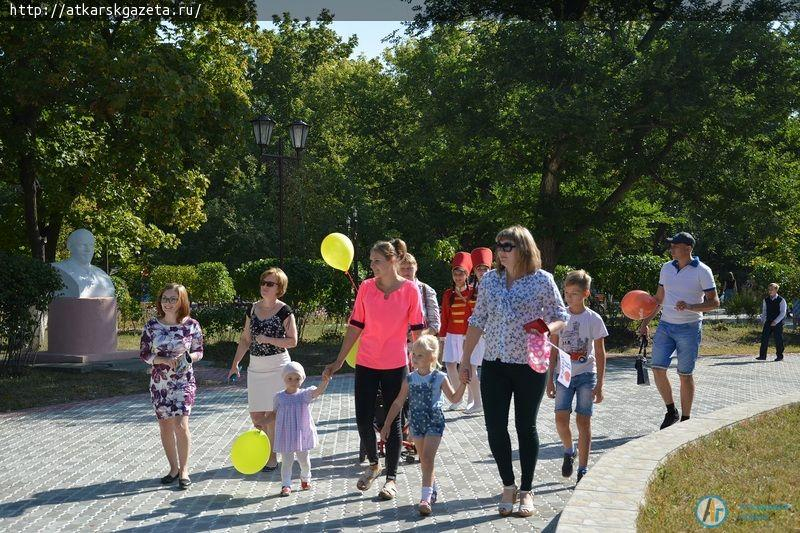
(298, 131)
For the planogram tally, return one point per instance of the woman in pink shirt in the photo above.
(386, 307)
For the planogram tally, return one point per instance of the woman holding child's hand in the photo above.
(518, 292)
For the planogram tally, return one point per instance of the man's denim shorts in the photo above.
(580, 386)
(683, 338)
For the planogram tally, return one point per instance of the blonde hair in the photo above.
(773, 285)
(183, 301)
(579, 278)
(529, 254)
(408, 259)
(280, 275)
(428, 345)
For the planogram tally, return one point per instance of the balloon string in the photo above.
(347, 273)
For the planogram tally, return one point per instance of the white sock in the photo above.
(426, 493)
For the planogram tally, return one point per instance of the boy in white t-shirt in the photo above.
(584, 370)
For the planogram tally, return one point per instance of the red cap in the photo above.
(462, 260)
(482, 256)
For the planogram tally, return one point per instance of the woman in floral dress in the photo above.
(171, 342)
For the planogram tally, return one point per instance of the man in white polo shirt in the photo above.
(686, 289)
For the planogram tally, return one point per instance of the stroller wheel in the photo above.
(410, 459)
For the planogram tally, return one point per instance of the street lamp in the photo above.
(298, 132)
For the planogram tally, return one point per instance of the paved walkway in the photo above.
(94, 466)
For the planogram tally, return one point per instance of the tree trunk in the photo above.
(24, 122)
(31, 194)
(547, 227)
(51, 233)
(550, 250)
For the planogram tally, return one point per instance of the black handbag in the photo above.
(642, 376)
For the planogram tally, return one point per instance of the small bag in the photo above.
(642, 377)
(538, 346)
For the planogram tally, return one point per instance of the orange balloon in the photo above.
(637, 305)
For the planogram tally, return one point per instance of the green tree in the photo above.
(117, 126)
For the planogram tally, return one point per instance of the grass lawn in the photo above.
(38, 387)
(722, 338)
(753, 467)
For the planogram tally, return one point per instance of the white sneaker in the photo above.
(455, 406)
(475, 409)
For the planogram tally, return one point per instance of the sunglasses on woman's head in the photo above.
(268, 283)
(505, 246)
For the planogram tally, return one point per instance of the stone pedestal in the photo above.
(82, 330)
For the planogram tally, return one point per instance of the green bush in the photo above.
(221, 322)
(787, 276)
(434, 272)
(744, 302)
(313, 285)
(131, 313)
(186, 275)
(620, 274)
(560, 273)
(213, 284)
(26, 292)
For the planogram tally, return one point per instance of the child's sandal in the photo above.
(506, 508)
(425, 508)
(285, 491)
(365, 480)
(525, 510)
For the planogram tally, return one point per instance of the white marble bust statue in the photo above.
(81, 278)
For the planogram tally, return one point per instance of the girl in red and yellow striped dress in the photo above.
(457, 305)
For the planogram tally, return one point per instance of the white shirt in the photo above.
(578, 337)
(688, 284)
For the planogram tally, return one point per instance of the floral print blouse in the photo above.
(501, 312)
(171, 341)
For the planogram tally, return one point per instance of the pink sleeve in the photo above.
(358, 316)
(415, 319)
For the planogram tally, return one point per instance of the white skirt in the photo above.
(453, 348)
(264, 380)
(477, 354)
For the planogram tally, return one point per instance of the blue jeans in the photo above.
(580, 386)
(683, 338)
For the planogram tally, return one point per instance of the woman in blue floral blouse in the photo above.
(171, 342)
(518, 292)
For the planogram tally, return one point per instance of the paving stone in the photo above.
(94, 466)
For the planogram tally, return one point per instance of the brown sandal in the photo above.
(389, 490)
(370, 474)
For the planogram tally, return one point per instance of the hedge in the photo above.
(26, 292)
(207, 282)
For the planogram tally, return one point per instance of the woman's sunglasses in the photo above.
(505, 246)
(268, 283)
(168, 300)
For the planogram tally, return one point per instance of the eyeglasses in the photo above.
(170, 300)
(268, 283)
(505, 246)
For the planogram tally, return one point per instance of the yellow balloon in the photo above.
(337, 251)
(351, 355)
(250, 451)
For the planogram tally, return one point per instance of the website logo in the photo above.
(711, 511)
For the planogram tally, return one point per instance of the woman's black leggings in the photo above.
(368, 382)
(498, 382)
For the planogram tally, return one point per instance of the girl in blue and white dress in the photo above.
(424, 388)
